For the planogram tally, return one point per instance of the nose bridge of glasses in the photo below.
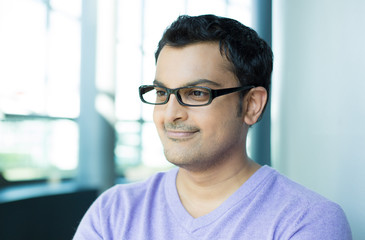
(176, 97)
(177, 94)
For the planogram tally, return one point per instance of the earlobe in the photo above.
(255, 102)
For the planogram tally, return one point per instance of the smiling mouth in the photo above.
(180, 134)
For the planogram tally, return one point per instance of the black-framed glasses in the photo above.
(193, 96)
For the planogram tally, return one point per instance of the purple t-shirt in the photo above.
(267, 206)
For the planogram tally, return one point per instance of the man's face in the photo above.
(198, 137)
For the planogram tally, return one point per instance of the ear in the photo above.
(254, 103)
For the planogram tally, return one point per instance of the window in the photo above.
(39, 89)
(140, 25)
(40, 77)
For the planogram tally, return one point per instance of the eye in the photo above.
(198, 94)
(160, 92)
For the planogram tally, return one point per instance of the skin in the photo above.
(208, 143)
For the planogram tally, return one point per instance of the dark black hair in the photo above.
(251, 57)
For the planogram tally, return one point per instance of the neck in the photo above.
(201, 192)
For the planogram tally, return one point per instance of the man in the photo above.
(212, 83)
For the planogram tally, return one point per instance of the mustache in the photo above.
(180, 127)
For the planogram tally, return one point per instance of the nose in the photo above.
(173, 110)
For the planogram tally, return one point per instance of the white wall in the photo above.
(318, 99)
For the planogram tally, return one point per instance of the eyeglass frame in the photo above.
(213, 93)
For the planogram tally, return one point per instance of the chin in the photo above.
(188, 162)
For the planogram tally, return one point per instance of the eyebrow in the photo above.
(192, 83)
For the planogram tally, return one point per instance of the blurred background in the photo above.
(72, 124)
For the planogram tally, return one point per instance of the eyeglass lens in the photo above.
(188, 95)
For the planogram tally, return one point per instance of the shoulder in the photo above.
(281, 187)
(130, 193)
(306, 213)
(115, 209)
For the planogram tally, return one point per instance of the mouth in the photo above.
(173, 134)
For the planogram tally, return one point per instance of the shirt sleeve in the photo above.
(325, 221)
(89, 227)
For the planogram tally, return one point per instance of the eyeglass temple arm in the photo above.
(220, 92)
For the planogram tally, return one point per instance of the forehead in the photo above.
(177, 66)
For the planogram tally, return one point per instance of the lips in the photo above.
(180, 132)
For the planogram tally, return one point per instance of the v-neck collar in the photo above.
(192, 224)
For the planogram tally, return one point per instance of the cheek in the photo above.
(222, 124)
(157, 119)
(156, 115)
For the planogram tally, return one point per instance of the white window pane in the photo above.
(128, 60)
(36, 149)
(129, 22)
(63, 145)
(148, 77)
(147, 112)
(64, 66)
(39, 74)
(128, 144)
(157, 18)
(128, 105)
(217, 7)
(152, 152)
(38, 64)
(69, 7)
(149, 68)
(23, 57)
(241, 11)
